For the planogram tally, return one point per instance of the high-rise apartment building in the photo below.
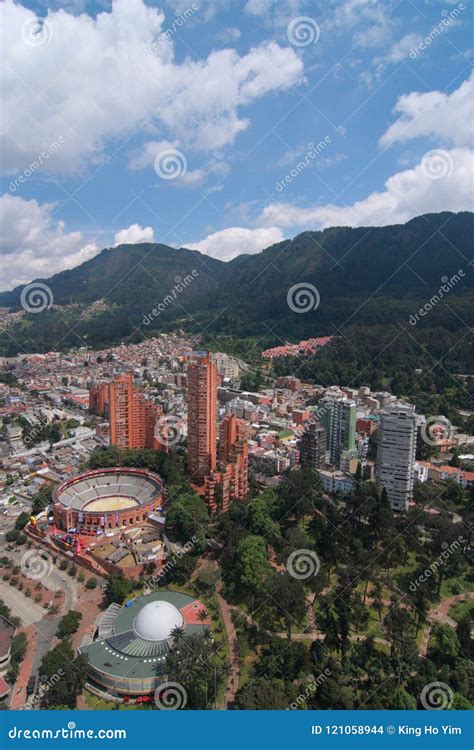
(202, 380)
(132, 417)
(396, 454)
(312, 446)
(338, 417)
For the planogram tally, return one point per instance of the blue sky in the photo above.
(226, 126)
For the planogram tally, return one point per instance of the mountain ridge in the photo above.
(369, 275)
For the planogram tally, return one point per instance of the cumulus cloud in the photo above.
(228, 243)
(101, 79)
(407, 194)
(34, 244)
(445, 117)
(133, 234)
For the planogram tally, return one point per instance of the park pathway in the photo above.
(234, 676)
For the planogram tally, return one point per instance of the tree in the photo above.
(287, 599)
(188, 517)
(198, 668)
(262, 694)
(65, 674)
(21, 521)
(14, 535)
(118, 589)
(403, 701)
(69, 623)
(252, 566)
(18, 652)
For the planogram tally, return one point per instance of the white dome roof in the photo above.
(156, 621)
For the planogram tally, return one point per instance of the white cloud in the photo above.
(407, 194)
(401, 49)
(34, 244)
(103, 78)
(228, 243)
(133, 234)
(444, 117)
(145, 155)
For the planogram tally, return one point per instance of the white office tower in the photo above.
(396, 454)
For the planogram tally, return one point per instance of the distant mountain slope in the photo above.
(366, 275)
(120, 273)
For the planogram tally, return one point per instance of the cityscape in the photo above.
(236, 373)
(151, 501)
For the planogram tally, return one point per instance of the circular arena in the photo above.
(128, 656)
(107, 499)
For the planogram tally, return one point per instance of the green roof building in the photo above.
(128, 656)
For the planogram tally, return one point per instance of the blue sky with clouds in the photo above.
(226, 126)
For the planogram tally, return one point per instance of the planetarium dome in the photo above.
(156, 621)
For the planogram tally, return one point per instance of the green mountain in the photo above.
(368, 276)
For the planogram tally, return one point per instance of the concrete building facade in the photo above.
(396, 454)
